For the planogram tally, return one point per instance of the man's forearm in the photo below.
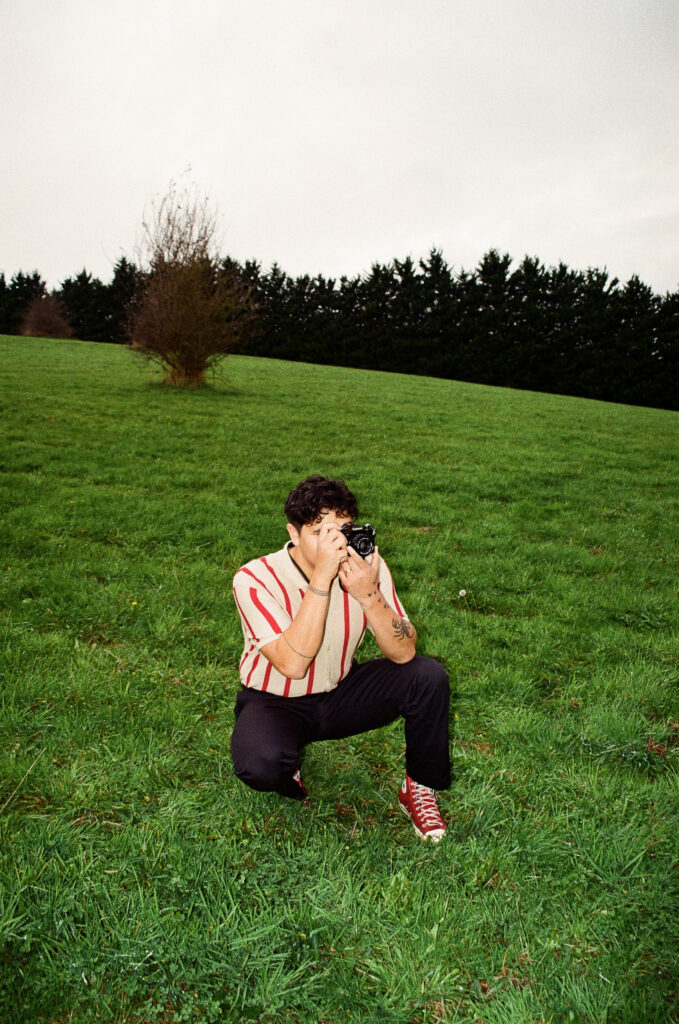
(396, 637)
(293, 651)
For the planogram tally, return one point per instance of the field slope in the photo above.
(534, 542)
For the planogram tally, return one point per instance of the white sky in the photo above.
(332, 134)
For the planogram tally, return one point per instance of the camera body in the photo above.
(361, 538)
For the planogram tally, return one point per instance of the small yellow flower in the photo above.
(134, 602)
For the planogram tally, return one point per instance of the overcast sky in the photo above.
(332, 134)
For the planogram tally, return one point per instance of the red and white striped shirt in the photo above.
(268, 593)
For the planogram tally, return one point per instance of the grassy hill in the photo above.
(534, 543)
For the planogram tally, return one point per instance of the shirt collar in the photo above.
(288, 548)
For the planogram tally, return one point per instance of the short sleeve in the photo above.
(262, 616)
(388, 590)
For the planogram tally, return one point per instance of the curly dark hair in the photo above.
(311, 498)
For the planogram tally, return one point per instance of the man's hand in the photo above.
(396, 637)
(360, 577)
(331, 551)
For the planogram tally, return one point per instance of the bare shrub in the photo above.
(193, 309)
(46, 317)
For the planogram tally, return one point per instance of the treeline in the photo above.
(93, 311)
(545, 329)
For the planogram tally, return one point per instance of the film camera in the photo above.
(361, 538)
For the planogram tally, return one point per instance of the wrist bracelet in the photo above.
(309, 657)
(321, 593)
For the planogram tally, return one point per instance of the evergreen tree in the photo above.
(436, 337)
(16, 297)
(666, 354)
(271, 295)
(4, 300)
(85, 299)
(119, 299)
(533, 325)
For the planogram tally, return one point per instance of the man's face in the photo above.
(306, 539)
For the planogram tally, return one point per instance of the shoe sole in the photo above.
(422, 835)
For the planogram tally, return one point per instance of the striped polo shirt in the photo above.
(268, 593)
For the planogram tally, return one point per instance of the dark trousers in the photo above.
(270, 731)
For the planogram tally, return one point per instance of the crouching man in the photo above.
(304, 611)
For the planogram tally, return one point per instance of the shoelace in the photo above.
(427, 807)
(298, 779)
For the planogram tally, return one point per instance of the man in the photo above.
(304, 611)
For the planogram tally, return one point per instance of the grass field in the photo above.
(140, 882)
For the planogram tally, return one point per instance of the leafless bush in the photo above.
(193, 309)
(46, 318)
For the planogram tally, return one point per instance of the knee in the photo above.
(432, 670)
(432, 676)
(261, 770)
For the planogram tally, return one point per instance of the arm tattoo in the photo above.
(402, 629)
(380, 599)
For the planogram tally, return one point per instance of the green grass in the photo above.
(140, 882)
